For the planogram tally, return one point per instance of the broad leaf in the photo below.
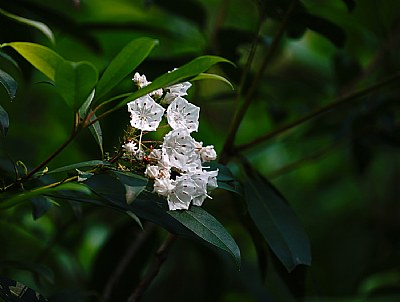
(124, 63)
(4, 121)
(8, 83)
(17, 199)
(42, 58)
(276, 221)
(225, 179)
(183, 73)
(75, 81)
(36, 24)
(209, 229)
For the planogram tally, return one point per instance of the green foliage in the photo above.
(81, 225)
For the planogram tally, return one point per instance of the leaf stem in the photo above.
(228, 146)
(160, 257)
(319, 111)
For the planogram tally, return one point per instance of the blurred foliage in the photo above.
(338, 169)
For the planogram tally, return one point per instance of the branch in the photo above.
(249, 96)
(122, 265)
(160, 257)
(317, 112)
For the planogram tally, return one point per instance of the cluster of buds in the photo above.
(176, 166)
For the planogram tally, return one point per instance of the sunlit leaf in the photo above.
(42, 58)
(75, 81)
(209, 229)
(8, 83)
(124, 63)
(211, 76)
(183, 73)
(4, 121)
(36, 24)
(276, 221)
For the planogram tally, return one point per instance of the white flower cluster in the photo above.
(176, 167)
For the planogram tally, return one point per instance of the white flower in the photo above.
(164, 186)
(182, 114)
(175, 91)
(177, 149)
(207, 153)
(146, 114)
(152, 171)
(140, 80)
(205, 181)
(180, 197)
(130, 147)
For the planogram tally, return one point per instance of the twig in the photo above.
(160, 257)
(317, 112)
(122, 265)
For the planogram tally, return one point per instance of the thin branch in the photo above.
(160, 257)
(123, 264)
(249, 96)
(319, 111)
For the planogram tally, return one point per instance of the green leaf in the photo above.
(225, 179)
(14, 291)
(133, 183)
(209, 229)
(4, 121)
(40, 205)
(17, 199)
(86, 105)
(124, 63)
(97, 133)
(211, 76)
(9, 84)
(181, 74)
(42, 58)
(85, 164)
(276, 221)
(75, 81)
(36, 24)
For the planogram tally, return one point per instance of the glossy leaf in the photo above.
(4, 121)
(8, 83)
(209, 229)
(124, 63)
(276, 221)
(75, 81)
(36, 24)
(211, 76)
(42, 58)
(181, 74)
(17, 199)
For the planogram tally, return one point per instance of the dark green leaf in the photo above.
(276, 221)
(209, 229)
(181, 74)
(133, 183)
(323, 26)
(9, 84)
(351, 4)
(42, 58)
(147, 206)
(40, 205)
(97, 133)
(75, 81)
(124, 63)
(38, 25)
(225, 179)
(9, 59)
(39, 269)
(4, 121)
(86, 105)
